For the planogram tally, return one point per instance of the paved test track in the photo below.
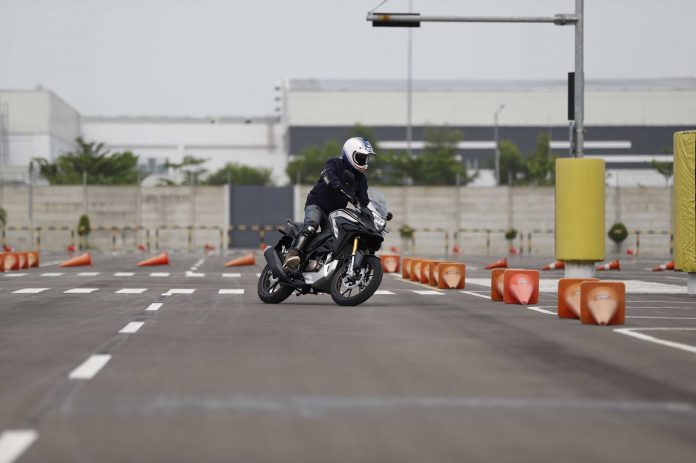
(404, 377)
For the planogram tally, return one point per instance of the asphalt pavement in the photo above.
(179, 363)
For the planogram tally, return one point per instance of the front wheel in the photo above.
(270, 289)
(354, 290)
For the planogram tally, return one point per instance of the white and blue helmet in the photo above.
(356, 151)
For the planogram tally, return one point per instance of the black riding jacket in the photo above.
(327, 192)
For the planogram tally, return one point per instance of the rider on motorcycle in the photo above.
(330, 193)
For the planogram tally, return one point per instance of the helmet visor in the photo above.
(360, 158)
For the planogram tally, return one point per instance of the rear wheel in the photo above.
(270, 289)
(354, 290)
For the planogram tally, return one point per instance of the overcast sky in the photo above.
(223, 57)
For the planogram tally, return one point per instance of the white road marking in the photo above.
(231, 275)
(663, 318)
(193, 274)
(90, 367)
(131, 291)
(30, 290)
(428, 292)
(131, 327)
(124, 274)
(14, 443)
(51, 274)
(383, 292)
(179, 291)
(539, 309)
(258, 275)
(154, 306)
(396, 275)
(231, 291)
(80, 290)
(15, 274)
(676, 278)
(644, 337)
(159, 274)
(472, 293)
(88, 274)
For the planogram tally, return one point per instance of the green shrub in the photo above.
(83, 228)
(510, 234)
(618, 233)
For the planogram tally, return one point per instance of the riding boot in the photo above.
(292, 258)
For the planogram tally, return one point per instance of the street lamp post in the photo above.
(497, 142)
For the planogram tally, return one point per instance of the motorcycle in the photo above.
(339, 260)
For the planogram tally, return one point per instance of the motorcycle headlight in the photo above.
(379, 222)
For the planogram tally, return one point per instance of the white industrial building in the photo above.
(629, 123)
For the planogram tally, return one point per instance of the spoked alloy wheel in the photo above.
(270, 289)
(349, 291)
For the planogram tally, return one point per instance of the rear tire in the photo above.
(270, 289)
(373, 273)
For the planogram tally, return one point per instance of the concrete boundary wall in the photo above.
(439, 208)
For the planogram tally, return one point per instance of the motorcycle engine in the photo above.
(312, 265)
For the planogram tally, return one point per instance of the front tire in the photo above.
(270, 289)
(348, 293)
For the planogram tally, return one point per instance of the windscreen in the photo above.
(379, 201)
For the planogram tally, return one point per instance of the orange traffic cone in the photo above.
(84, 259)
(451, 275)
(71, 248)
(497, 285)
(33, 259)
(613, 265)
(513, 250)
(390, 263)
(142, 248)
(248, 259)
(602, 303)
(502, 263)
(394, 249)
(558, 265)
(456, 249)
(569, 296)
(521, 286)
(263, 246)
(209, 247)
(7, 248)
(631, 252)
(666, 266)
(161, 259)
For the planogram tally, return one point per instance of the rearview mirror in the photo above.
(389, 216)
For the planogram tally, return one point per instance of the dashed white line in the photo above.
(194, 274)
(473, 293)
(15, 274)
(131, 327)
(88, 274)
(427, 292)
(80, 290)
(540, 310)
(124, 274)
(90, 367)
(30, 290)
(179, 291)
(51, 274)
(14, 443)
(662, 318)
(231, 275)
(231, 291)
(154, 306)
(644, 337)
(159, 274)
(383, 292)
(131, 291)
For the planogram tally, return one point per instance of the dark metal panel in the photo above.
(258, 205)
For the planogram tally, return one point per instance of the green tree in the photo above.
(101, 166)
(190, 166)
(541, 165)
(438, 164)
(307, 166)
(83, 230)
(666, 169)
(239, 174)
(512, 163)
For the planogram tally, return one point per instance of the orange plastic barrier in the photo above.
(11, 261)
(161, 259)
(84, 259)
(425, 271)
(558, 265)
(434, 270)
(502, 263)
(569, 296)
(415, 269)
(248, 259)
(666, 266)
(497, 285)
(613, 265)
(602, 303)
(390, 263)
(451, 275)
(406, 268)
(23, 260)
(33, 258)
(521, 286)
